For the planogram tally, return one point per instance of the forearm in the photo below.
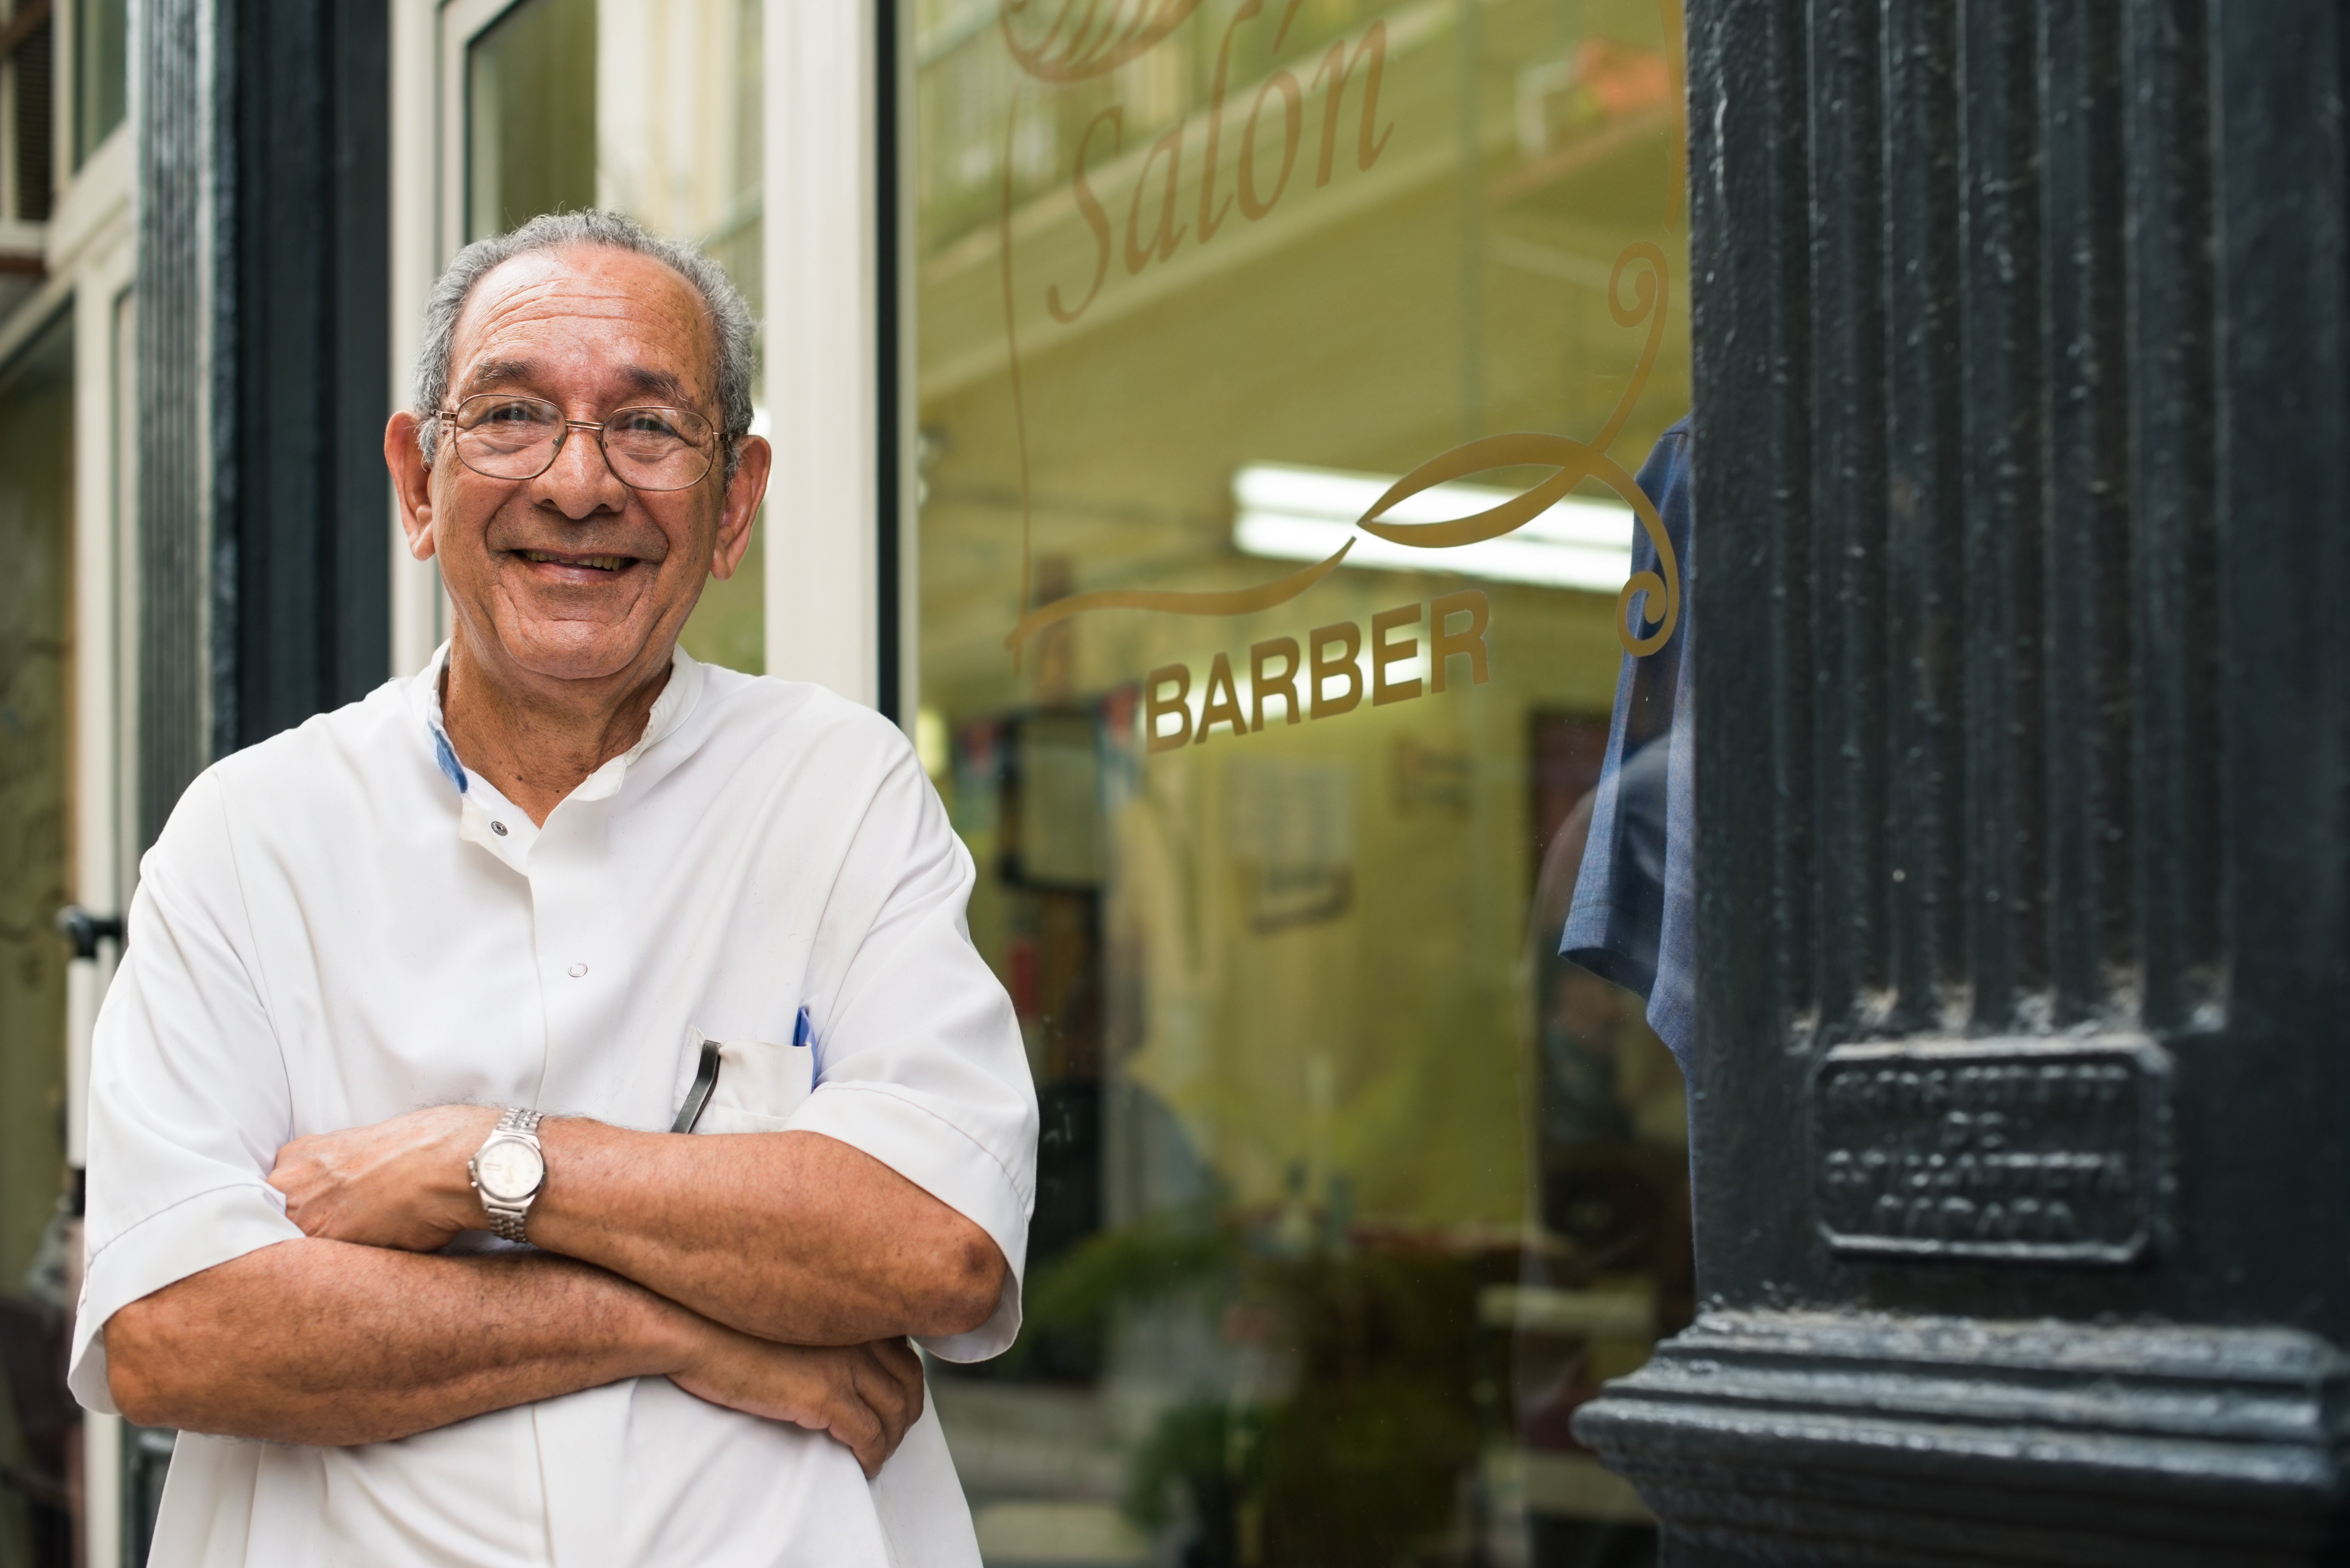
(790, 1236)
(793, 1237)
(326, 1342)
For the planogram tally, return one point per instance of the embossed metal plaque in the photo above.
(2028, 1151)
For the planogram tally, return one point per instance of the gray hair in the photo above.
(731, 326)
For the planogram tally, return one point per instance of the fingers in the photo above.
(856, 1422)
(905, 1366)
(864, 1397)
(400, 1183)
(889, 1378)
(295, 1166)
(877, 1398)
(302, 1177)
(906, 1362)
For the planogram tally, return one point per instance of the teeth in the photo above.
(601, 562)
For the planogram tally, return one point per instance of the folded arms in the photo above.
(775, 1273)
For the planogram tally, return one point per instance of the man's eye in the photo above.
(645, 422)
(510, 414)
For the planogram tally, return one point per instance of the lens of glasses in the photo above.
(657, 449)
(505, 437)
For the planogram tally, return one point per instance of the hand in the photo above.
(864, 1396)
(400, 1183)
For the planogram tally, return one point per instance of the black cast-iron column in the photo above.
(2022, 1192)
(176, 114)
(263, 241)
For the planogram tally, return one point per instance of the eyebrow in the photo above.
(644, 378)
(660, 383)
(490, 372)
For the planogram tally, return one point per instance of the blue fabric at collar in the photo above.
(447, 756)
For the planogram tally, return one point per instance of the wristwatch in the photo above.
(508, 1170)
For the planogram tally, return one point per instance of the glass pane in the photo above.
(32, 84)
(36, 633)
(1349, 1191)
(102, 71)
(530, 97)
(651, 107)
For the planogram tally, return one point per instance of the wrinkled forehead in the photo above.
(586, 320)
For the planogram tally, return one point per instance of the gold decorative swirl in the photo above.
(1666, 586)
(1529, 450)
(1572, 460)
(1224, 601)
(1085, 38)
(1085, 51)
(1648, 303)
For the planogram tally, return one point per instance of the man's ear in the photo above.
(744, 494)
(411, 481)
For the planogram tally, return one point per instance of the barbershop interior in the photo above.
(1350, 1189)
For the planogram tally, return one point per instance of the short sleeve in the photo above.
(918, 1056)
(188, 1098)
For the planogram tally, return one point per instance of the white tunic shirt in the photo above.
(339, 925)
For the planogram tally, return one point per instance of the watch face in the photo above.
(508, 1169)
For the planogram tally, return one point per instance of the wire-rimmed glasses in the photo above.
(502, 435)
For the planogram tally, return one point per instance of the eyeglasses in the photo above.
(501, 436)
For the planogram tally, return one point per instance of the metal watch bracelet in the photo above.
(509, 1219)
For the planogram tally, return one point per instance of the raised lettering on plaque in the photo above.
(2026, 1151)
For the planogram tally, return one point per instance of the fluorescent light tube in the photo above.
(1293, 513)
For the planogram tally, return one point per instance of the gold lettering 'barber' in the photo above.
(1329, 660)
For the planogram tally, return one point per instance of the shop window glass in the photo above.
(35, 645)
(1349, 1188)
(101, 38)
(652, 108)
(30, 43)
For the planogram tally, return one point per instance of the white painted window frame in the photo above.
(87, 251)
(106, 708)
(824, 379)
(417, 256)
(824, 372)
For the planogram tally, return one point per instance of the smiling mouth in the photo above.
(593, 562)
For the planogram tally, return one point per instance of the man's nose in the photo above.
(580, 482)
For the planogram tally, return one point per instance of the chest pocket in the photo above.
(747, 1085)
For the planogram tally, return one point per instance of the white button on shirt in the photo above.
(340, 925)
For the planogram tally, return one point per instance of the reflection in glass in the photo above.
(101, 36)
(530, 128)
(651, 107)
(30, 73)
(37, 531)
(1349, 1191)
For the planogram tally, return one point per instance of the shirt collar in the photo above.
(670, 709)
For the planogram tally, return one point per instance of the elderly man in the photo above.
(564, 873)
